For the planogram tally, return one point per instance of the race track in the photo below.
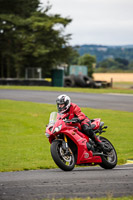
(55, 183)
(122, 102)
(81, 182)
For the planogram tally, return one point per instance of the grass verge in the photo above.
(23, 144)
(63, 89)
(123, 85)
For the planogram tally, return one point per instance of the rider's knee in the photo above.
(86, 129)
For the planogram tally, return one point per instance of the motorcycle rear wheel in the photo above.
(65, 162)
(109, 161)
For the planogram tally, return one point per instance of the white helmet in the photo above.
(63, 99)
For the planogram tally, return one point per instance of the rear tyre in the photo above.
(65, 162)
(109, 161)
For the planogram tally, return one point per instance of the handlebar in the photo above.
(69, 121)
(74, 120)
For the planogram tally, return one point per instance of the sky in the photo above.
(104, 22)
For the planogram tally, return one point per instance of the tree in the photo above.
(87, 60)
(29, 37)
(74, 56)
(23, 8)
(107, 64)
(122, 61)
(130, 65)
(45, 48)
(12, 16)
(110, 64)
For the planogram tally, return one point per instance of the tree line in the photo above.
(29, 37)
(110, 58)
(32, 38)
(114, 65)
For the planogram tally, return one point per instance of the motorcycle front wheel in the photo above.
(64, 161)
(109, 161)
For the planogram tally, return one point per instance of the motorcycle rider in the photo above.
(72, 111)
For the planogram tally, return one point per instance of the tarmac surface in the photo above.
(55, 183)
(123, 102)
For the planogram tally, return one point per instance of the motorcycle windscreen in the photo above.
(52, 118)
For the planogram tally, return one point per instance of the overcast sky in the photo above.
(106, 22)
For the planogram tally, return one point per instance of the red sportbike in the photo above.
(70, 147)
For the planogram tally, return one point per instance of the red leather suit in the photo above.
(75, 111)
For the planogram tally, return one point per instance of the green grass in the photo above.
(23, 144)
(123, 85)
(62, 89)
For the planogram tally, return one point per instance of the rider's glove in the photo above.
(75, 120)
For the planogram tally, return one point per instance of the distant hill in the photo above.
(102, 52)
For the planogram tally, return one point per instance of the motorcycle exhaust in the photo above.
(99, 154)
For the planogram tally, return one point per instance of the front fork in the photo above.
(65, 145)
(65, 139)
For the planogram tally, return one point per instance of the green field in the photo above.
(121, 90)
(23, 144)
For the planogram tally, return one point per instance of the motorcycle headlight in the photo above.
(47, 135)
(57, 129)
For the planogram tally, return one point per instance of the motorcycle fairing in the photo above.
(83, 154)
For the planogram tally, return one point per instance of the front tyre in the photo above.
(109, 161)
(63, 161)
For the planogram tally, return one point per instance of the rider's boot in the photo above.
(90, 133)
(103, 147)
(98, 142)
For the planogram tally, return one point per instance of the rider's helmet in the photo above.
(63, 103)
